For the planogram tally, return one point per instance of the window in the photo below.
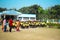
(20, 18)
(32, 18)
(25, 18)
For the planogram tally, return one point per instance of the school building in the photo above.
(17, 15)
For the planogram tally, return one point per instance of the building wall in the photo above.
(26, 17)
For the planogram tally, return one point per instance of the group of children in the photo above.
(10, 23)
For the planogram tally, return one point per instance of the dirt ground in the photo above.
(31, 34)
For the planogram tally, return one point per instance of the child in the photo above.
(17, 25)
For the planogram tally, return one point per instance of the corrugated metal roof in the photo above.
(11, 12)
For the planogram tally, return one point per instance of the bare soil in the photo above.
(31, 34)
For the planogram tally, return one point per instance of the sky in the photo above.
(25, 3)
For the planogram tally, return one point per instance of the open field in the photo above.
(31, 34)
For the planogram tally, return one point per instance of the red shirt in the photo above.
(10, 22)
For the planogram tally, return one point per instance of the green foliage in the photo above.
(55, 12)
(54, 25)
(2, 9)
(50, 13)
(31, 9)
(34, 9)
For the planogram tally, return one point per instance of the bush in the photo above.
(54, 25)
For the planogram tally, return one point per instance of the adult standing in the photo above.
(10, 24)
(4, 25)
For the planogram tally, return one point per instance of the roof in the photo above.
(11, 12)
(27, 15)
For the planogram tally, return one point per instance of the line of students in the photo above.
(10, 21)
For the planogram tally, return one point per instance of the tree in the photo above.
(50, 13)
(55, 12)
(34, 9)
(2, 9)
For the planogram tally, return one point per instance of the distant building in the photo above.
(9, 14)
(17, 15)
(27, 17)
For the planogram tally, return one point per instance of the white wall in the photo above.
(26, 17)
